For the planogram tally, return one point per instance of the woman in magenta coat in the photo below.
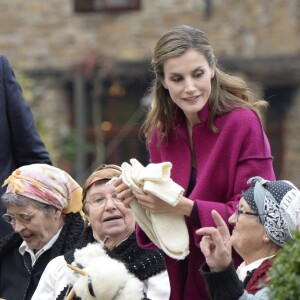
(207, 124)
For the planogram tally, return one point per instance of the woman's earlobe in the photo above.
(87, 221)
(57, 215)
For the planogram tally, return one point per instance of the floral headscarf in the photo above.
(46, 184)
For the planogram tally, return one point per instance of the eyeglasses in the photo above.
(101, 201)
(243, 212)
(23, 218)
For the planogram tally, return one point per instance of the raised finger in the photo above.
(221, 225)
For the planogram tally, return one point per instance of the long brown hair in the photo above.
(227, 92)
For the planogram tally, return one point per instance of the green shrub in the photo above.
(285, 272)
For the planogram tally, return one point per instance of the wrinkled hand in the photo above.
(149, 201)
(124, 193)
(216, 244)
(152, 203)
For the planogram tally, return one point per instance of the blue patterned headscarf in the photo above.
(278, 206)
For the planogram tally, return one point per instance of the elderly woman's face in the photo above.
(107, 215)
(37, 230)
(248, 234)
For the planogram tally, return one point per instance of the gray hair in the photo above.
(8, 199)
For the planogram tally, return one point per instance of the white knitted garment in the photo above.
(168, 231)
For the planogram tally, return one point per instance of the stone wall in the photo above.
(46, 35)
(292, 142)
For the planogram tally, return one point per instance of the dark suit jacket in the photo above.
(20, 143)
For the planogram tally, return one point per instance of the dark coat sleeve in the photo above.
(20, 142)
(223, 285)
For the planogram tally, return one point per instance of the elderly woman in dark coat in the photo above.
(43, 206)
(264, 221)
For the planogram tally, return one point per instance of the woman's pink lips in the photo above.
(191, 98)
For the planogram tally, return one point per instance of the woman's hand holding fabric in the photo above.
(124, 193)
(152, 203)
(150, 187)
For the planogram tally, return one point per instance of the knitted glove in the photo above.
(155, 178)
(172, 235)
(142, 217)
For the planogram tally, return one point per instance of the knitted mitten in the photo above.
(172, 234)
(142, 216)
(155, 179)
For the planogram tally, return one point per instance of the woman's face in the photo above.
(188, 79)
(108, 217)
(37, 230)
(248, 233)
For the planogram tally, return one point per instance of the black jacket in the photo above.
(18, 280)
(20, 142)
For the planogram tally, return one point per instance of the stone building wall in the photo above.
(47, 33)
(41, 35)
(292, 142)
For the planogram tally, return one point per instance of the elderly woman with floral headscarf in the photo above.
(112, 224)
(43, 205)
(264, 221)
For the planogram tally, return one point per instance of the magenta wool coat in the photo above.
(224, 162)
